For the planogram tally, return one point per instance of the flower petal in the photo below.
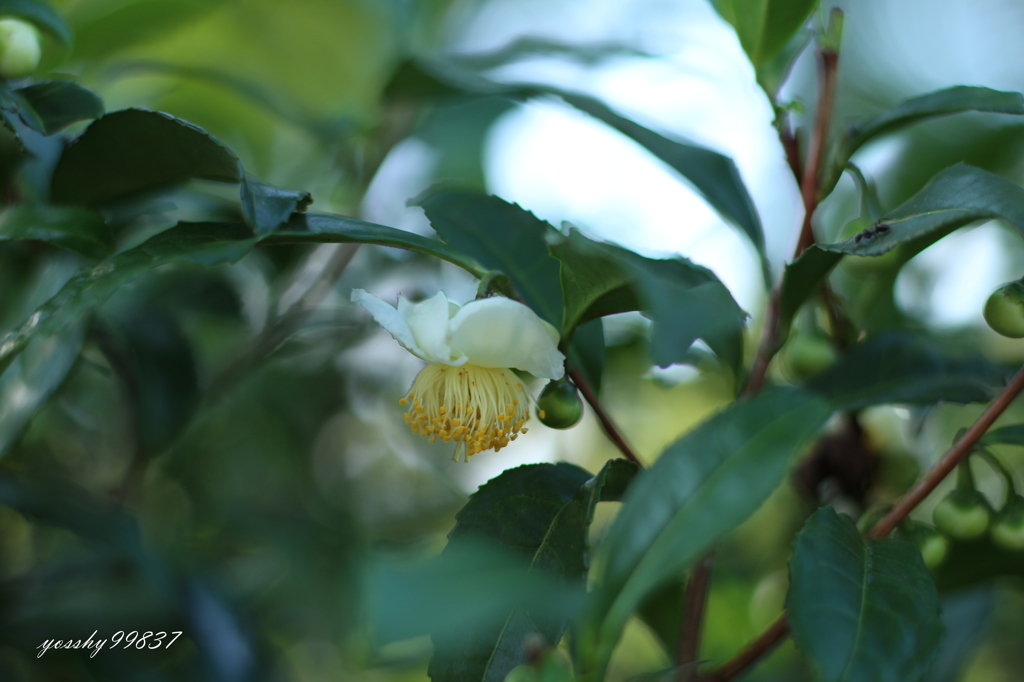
(500, 332)
(388, 317)
(428, 321)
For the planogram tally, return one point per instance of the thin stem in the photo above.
(751, 653)
(810, 187)
(695, 603)
(1005, 473)
(602, 416)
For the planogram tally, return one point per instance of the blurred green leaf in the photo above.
(202, 243)
(530, 46)
(957, 196)
(41, 14)
(323, 229)
(862, 610)
(685, 301)
(542, 511)
(1009, 435)
(713, 175)
(58, 104)
(155, 362)
(764, 27)
(899, 368)
(500, 236)
(703, 486)
(76, 229)
(977, 563)
(30, 381)
(586, 353)
(966, 614)
(265, 207)
(104, 28)
(801, 280)
(662, 612)
(135, 150)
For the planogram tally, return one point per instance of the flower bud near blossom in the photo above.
(19, 48)
(468, 392)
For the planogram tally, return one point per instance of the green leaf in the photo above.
(58, 104)
(500, 236)
(586, 353)
(764, 27)
(966, 615)
(76, 229)
(200, 243)
(33, 377)
(135, 150)
(1008, 435)
(898, 368)
(305, 228)
(685, 301)
(40, 14)
(265, 207)
(702, 487)
(862, 610)
(801, 280)
(713, 175)
(957, 196)
(542, 511)
(953, 100)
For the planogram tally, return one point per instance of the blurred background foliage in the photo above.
(263, 456)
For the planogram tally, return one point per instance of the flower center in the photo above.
(477, 407)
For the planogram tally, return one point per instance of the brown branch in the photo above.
(810, 187)
(931, 479)
(602, 416)
(694, 604)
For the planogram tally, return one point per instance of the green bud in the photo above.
(1008, 526)
(559, 405)
(19, 48)
(963, 515)
(933, 545)
(804, 355)
(1004, 310)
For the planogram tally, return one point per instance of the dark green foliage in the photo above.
(862, 610)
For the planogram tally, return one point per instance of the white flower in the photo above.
(468, 393)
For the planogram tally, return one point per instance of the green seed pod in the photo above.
(559, 405)
(804, 355)
(933, 545)
(19, 48)
(1004, 310)
(963, 515)
(1008, 525)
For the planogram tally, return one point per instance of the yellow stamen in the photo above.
(480, 408)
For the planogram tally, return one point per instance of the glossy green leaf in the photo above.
(959, 195)
(685, 301)
(41, 14)
(862, 610)
(265, 207)
(500, 236)
(713, 175)
(764, 27)
(58, 104)
(305, 228)
(898, 368)
(800, 281)
(200, 243)
(76, 229)
(33, 377)
(542, 511)
(135, 150)
(702, 487)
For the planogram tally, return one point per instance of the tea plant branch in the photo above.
(924, 487)
(606, 423)
(694, 603)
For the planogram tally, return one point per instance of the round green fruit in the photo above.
(964, 514)
(1008, 526)
(1004, 310)
(559, 405)
(933, 545)
(20, 50)
(805, 355)
(522, 673)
